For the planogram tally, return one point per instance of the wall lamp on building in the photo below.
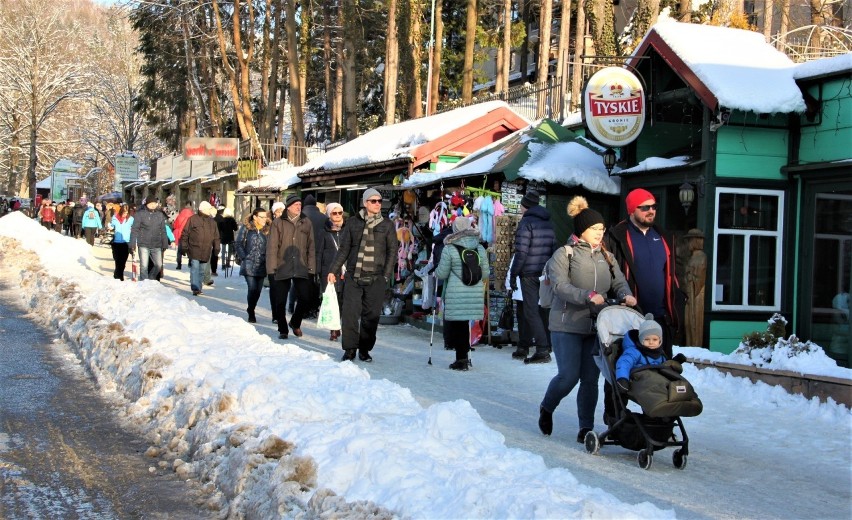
(609, 160)
(687, 191)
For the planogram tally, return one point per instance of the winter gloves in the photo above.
(623, 385)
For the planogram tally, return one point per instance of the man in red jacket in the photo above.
(180, 222)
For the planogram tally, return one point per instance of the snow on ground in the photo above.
(284, 428)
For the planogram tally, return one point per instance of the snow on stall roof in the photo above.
(657, 163)
(813, 68)
(569, 164)
(397, 140)
(739, 67)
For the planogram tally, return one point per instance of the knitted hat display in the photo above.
(584, 217)
(530, 199)
(649, 327)
(291, 199)
(637, 197)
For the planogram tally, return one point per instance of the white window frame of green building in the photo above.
(744, 237)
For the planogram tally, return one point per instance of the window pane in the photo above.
(729, 270)
(761, 271)
(748, 211)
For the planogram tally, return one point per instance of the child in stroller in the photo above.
(646, 377)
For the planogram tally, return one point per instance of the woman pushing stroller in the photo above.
(580, 275)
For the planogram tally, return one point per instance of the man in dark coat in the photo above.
(77, 220)
(646, 255)
(200, 241)
(368, 247)
(291, 260)
(148, 237)
(318, 220)
(535, 241)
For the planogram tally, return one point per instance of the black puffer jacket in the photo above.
(535, 241)
(149, 229)
(331, 244)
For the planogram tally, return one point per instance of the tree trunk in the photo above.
(579, 50)
(646, 14)
(437, 55)
(296, 154)
(543, 64)
(33, 161)
(391, 65)
(563, 66)
(523, 58)
(785, 24)
(328, 60)
(14, 151)
(768, 15)
(269, 115)
(415, 38)
(350, 93)
(337, 117)
(506, 63)
(601, 18)
(469, 43)
(684, 10)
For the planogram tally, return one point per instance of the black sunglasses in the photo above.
(647, 207)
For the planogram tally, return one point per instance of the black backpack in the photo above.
(471, 270)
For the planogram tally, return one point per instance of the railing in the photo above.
(272, 152)
(531, 101)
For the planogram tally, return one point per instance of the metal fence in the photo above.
(533, 101)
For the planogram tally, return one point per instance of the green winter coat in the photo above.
(462, 302)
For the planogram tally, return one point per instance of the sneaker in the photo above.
(365, 356)
(581, 435)
(545, 421)
(520, 353)
(460, 364)
(348, 355)
(538, 357)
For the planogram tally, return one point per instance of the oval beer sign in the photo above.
(614, 106)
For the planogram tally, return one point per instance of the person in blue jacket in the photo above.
(91, 222)
(641, 347)
(121, 224)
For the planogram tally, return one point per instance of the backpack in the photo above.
(545, 289)
(90, 215)
(471, 270)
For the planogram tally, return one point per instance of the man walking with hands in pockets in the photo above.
(368, 247)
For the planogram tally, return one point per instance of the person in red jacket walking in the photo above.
(180, 222)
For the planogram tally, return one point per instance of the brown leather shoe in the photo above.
(297, 332)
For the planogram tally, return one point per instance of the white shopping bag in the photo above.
(329, 312)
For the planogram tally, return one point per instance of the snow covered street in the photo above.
(400, 436)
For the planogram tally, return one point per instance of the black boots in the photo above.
(348, 355)
(251, 317)
(545, 421)
(364, 355)
(460, 364)
(521, 353)
(540, 356)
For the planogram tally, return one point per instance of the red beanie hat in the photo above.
(636, 197)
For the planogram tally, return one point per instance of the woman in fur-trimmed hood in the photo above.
(461, 302)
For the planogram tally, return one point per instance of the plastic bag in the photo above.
(329, 312)
(429, 283)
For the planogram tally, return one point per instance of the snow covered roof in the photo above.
(398, 141)
(814, 68)
(544, 151)
(737, 67)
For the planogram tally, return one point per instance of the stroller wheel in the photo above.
(679, 459)
(645, 458)
(592, 442)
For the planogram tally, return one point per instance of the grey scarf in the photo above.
(366, 262)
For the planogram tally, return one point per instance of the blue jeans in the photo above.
(255, 287)
(573, 353)
(152, 254)
(196, 270)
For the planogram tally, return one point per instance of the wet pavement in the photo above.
(63, 450)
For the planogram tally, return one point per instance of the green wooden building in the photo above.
(756, 152)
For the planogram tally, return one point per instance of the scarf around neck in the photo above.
(366, 262)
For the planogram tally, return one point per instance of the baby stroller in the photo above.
(663, 393)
